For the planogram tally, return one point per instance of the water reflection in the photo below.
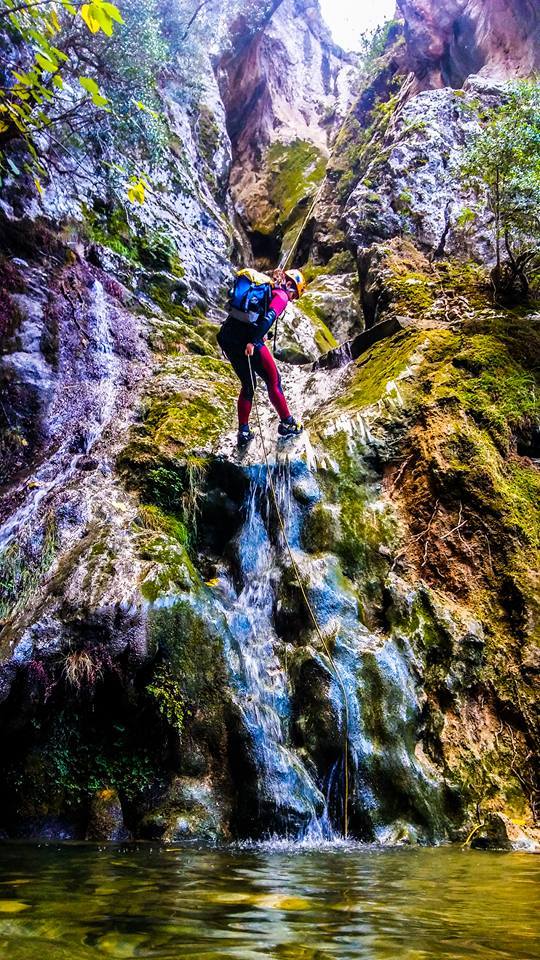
(84, 903)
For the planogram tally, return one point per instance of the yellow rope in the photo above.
(314, 619)
(471, 835)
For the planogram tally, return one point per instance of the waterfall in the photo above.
(370, 686)
(262, 689)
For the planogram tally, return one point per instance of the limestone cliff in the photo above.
(161, 676)
(447, 42)
(286, 91)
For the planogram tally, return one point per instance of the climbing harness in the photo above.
(311, 612)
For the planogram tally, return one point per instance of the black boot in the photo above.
(290, 428)
(244, 435)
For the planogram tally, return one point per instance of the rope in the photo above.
(313, 618)
(292, 250)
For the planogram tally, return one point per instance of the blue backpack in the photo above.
(250, 296)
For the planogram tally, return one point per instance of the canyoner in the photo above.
(256, 301)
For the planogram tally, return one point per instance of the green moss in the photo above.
(182, 328)
(189, 674)
(171, 568)
(479, 375)
(150, 248)
(384, 362)
(469, 399)
(23, 565)
(164, 539)
(160, 461)
(415, 287)
(208, 133)
(358, 147)
(324, 338)
(342, 262)
(294, 172)
(195, 418)
(510, 491)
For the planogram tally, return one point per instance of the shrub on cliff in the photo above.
(503, 166)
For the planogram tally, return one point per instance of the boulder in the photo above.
(499, 832)
(106, 819)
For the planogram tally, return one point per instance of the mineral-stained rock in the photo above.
(414, 186)
(448, 41)
(106, 820)
(191, 809)
(276, 90)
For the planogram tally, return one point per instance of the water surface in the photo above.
(63, 902)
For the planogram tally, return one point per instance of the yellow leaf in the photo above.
(136, 192)
(38, 185)
(103, 19)
(89, 17)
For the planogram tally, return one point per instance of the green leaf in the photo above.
(113, 12)
(88, 84)
(26, 78)
(59, 54)
(48, 65)
(13, 165)
(142, 106)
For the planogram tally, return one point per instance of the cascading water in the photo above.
(360, 693)
(287, 790)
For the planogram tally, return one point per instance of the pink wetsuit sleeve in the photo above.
(279, 301)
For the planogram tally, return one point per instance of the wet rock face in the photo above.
(289, 85)
(139, 573)
(499, 832)
(448, 41)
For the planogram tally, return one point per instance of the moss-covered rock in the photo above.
(294, 170)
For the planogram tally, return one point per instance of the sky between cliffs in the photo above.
(347, 19)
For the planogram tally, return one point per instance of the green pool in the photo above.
(82, 903)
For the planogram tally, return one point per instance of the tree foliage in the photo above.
(503, 166)
(79, 79)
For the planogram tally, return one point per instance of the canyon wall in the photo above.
(159, 664)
